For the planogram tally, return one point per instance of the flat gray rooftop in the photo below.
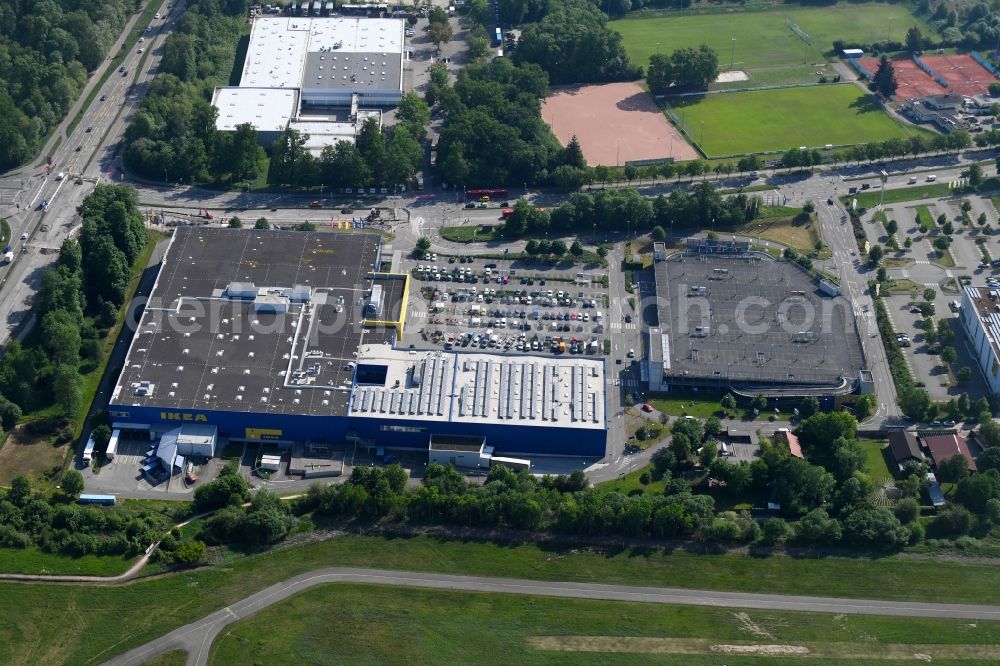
(751, 320)
(333, 70)
(207, 341)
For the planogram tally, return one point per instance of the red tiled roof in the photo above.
(943, 447)
(793, 442)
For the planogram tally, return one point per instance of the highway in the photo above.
(36, 234)
(196, 638)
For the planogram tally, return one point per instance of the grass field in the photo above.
(467, 234)
(875, 457)
(337, 623)
(95, 623)
(784, 230)
(901, 194)
(765, 47)
(763, 120)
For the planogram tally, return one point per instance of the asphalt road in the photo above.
(86, 154)
(196, 638)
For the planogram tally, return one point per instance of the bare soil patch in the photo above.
(615, 123)
(25, 452)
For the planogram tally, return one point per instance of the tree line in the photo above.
(53, 524)
(78, 302)
(825, 499)
(46, 51)
(626, 209)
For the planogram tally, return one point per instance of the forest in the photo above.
(47, 49)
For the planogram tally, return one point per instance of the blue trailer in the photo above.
(103, 500)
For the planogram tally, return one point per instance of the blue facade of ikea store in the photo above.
(386, 432)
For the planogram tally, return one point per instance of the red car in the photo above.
(646, 407)
(314, 204)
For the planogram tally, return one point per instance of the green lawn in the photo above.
(768, 120)
(96, 623)
(901, 194)
(337, 624)
(629, 483)
(765, 47)
(172, 658)
(875, 457)
(34, 561)
(924, 218)
(700, 404)
(467, 234)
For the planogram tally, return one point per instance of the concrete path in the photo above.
(196, 638)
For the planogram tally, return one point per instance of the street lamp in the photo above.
(732, 54)
(164, 176)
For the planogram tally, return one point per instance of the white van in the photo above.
(931, 178)
(913, 179)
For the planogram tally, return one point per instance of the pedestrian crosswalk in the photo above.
(630, 383)
(623, 326)
(418, 314)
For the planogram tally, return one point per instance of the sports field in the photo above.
(340, 624)
(765, 120)
(762, 44)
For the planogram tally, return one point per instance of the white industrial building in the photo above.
(322, 76)
(980, 316)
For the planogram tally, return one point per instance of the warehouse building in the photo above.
(293, 338)
(979, 313)
(321, 76)
(736, 319)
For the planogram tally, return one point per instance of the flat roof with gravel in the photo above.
(253, 321)
(750, 320)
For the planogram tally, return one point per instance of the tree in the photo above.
(907, 510)
(190, 552)
(864, 406)
(709, 452)
(728, 402)
(949, 355)
(576, 249)
(72, 483)
(558, 248)
(67, 390)
(440, 33)
(809, 406)
(953, 469)
(891, 227)
(941, 244)
(572, 155)
(988, 433)
(658, 234)
(759, 402)
(875, 255)
(994, 88)
(881, 274)
(884, 81)
(914, 40)
(572, 42)
(261, 223)
(975, 175)
(423, 244)
(875, 526)
(235, 223)
(975, 491)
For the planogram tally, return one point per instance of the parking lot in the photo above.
(512, 306)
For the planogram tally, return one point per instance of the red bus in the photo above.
(485, 193)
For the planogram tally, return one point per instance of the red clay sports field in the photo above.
(964, 75)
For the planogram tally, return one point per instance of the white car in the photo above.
(631, 353)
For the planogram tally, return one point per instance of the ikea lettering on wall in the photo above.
(183, 416)
(263, 433)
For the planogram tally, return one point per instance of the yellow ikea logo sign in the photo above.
(182, 416)
(263, 433)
